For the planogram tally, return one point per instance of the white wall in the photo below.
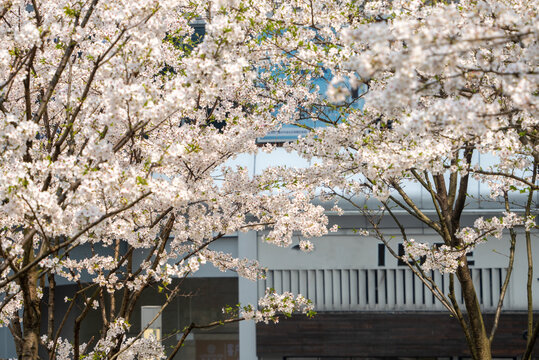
(335, 257)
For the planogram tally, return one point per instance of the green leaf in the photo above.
(141, 180)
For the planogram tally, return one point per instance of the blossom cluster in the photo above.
(274, 304)
(442, 258)
(448, 258)
(491, 227)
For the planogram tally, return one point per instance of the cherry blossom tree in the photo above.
(115, 132)
(441, 83)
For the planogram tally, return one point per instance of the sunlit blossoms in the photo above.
(117, 127)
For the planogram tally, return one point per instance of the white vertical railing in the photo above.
(380, 289)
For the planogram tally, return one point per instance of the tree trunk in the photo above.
(31, 316)
(31, 310)
(475, 318)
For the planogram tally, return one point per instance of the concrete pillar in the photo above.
(247, 291)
